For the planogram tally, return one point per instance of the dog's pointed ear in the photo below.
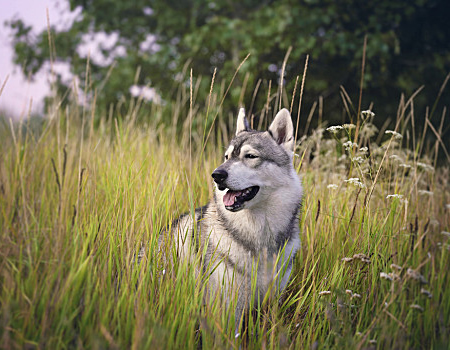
(282, 130)
(242, 122)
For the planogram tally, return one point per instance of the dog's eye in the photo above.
(250, 156)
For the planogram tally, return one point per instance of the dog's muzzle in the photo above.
(233, 199)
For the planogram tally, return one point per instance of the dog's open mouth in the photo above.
(233, 200)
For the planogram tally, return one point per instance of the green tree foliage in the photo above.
(408, 45)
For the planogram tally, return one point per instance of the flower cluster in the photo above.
(425, 167)
(334, 129)
(395, 134)
(367, 114)
(358, 159)
(355, 181)
(424, 192)
(398, 196)
(395, 158)
(349, 145)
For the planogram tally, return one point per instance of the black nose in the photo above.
(219, 176)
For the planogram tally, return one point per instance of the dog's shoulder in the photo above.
(187, 220)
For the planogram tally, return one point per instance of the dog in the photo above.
(250, 229)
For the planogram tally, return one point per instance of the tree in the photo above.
(408, 45)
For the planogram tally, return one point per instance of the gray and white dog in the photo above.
(252, 224)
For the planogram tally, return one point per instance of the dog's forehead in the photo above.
(258, 140)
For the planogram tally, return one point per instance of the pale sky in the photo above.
(18, 91)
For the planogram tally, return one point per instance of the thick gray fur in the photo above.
(234, 242)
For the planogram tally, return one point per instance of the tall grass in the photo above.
(78, 202)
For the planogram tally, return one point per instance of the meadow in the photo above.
(80, 194)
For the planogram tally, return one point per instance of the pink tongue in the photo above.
(228, 198)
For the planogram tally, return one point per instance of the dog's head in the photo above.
(256, 163)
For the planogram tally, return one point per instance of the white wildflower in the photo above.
(298, 324)
(363, 149)
(398, 196)
(332, 186)
(349, 126)
(395, 157)
(349, 145)
(395, 134)
(237, 335)
(355, 181)
(428, 193)
(346, 259)
(349, 292)
(425, 167)
(417, 307)
(372, 341)
(367, 114)
(334, 129)
(445, 233)
(386, 276)
(358, 160)
(325, 292)
(406, 166)
(426, 292)
(416, 276)
(396, 267)
(356, 295)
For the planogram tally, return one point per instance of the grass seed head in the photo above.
(416, 307)
(386, 276)
(360, 256)
(416, 276)
(396, 267)
(325, 292)
(426, 292)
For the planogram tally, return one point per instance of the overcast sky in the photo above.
(18, 90)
